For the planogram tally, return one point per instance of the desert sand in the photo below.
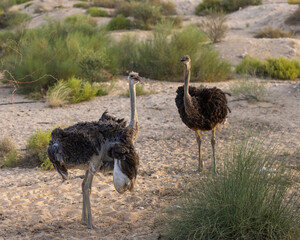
(35, 204)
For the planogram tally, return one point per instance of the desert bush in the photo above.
(81, 5)
(96, 12)
(13, 19)
(119, 22)
(227, 6)
(1, 11)
(269, 32)
(5, 4)
(251, 91)
(249, 199)
(60, 51)
(28, 5)
(158, 57)
(146, 14)
(293, 1)
(252, 67)
(71, 91)
(105, 3)
(37, 146)
(8, 152)
(283, 68)
(40, 8)
(294, 19)
(214, 26)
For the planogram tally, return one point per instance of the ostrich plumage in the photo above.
(201, 109)
(104, 145)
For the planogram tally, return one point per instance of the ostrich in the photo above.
(133, 125)
(103, 146)
(201, 109)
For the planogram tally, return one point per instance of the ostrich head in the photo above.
(134, 78)
(126, 163)
(186, 60)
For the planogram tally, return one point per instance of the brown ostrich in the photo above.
(103, 146)
(201, 109)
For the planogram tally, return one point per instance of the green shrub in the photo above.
(105, 3)
(269, 32)
(59, 51)
(8, 152)
(22, 1)
(158, 57)
(251, 66)
(13, 19)
(28, 5)
(5, 4)
(228, 6)
(37, 146)
(146, 14)
(1, 10)
(81, 5)
(119, 22)
(282, 68)
(71, 91)
(251, 91)
(96, 12)
(250, 199)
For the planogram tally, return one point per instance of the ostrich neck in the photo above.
(134, 117)
(187, 96)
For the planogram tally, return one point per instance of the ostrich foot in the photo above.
(89, 226)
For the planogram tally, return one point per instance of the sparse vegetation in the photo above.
(278, 68)
(293, 1)
(248, 200)
(96, 12)
(214, 26)
(269, 32)
(207, 6)
(8, 152)
(249, 90)
(37, 145)
(71, 91)
(119, 22)
(22, 1)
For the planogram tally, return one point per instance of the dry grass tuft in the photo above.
(270, 32)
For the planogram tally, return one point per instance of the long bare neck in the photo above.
(187, 76)
(134, 118)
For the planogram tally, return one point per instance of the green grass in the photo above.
(105, 3)
(248, 200)
(37, 145)
(8, 152)
(96, 12)
(48, 53)
(227, 6)
(158, 57)
(71, 91)
(119, 22)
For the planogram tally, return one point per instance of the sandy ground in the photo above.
(37, 205)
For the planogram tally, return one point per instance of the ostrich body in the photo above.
(201, 109)
(105, 145)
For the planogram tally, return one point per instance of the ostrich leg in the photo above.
(200, 162)
(86, 208)
(213, 142)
